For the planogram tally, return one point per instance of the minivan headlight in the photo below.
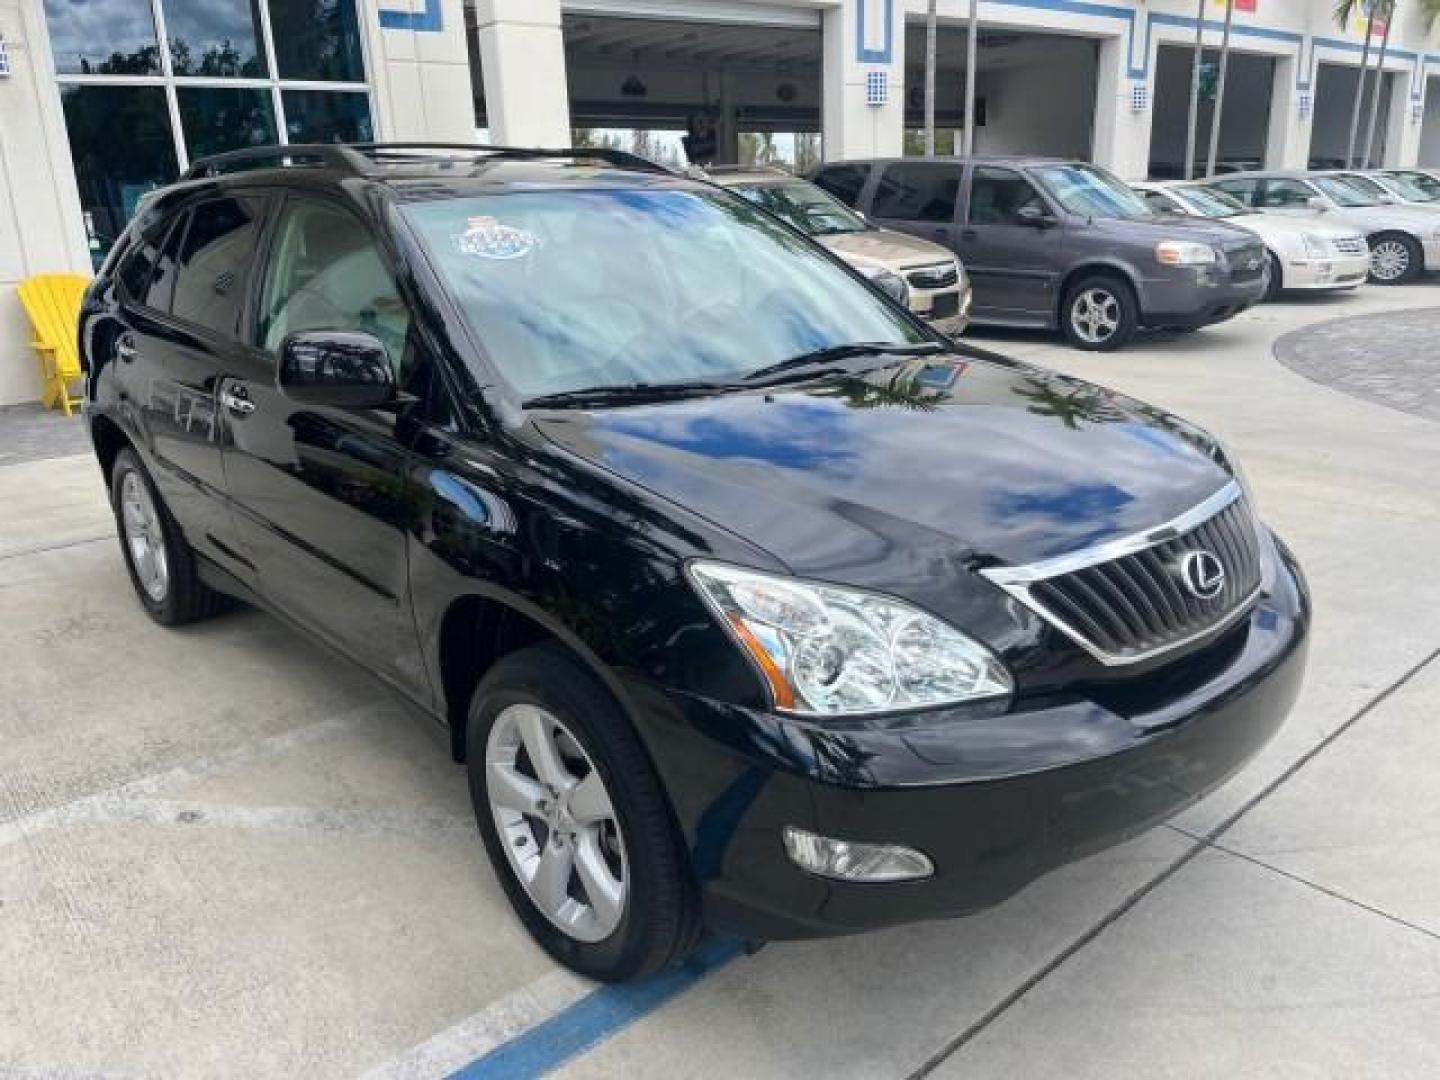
(1184, 253)
(825, 650)
(891, 284)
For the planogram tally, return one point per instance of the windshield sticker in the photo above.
(486, 238)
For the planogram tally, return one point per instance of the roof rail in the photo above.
(362, 158)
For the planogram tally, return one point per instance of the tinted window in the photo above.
(220, 118)
(327, 116)
(326, 273)
(917, 193)
(845, 182)
(214, 263)
(162, 279)
(997, 195)
(1284, 194)
(1244, 190)
(138, 263)
(316, 39)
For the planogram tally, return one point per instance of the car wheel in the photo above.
(1276, 284)
(1395, 259)
(1099, 313)
(160, 562)
(575, 820)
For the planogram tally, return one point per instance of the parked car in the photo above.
(1062, 243)
(923, 276)
(1395, 188)
(750, 602)
(1404, 240)
(1417, 185)
(1304, 253)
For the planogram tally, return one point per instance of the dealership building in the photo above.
(102, 100)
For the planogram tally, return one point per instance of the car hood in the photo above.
(869, 479)
(884, 247)
(1173, 227)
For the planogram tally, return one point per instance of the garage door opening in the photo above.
(1034, 93)
(1244, 120)
(1335, 89)
(1430, 129)
(679, 90)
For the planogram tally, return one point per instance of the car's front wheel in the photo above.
(160, 562)
(575, 820)
(1394, 259)
(1275, 282)
(1099, 313)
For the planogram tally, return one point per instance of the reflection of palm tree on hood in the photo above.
(901, 390)
(1068, 403)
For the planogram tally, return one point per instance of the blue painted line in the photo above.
(428, 21)
(597, 1017)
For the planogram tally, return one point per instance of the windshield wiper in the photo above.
(823, 360)
(623, 392)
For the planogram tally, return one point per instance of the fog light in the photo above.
(849, 860)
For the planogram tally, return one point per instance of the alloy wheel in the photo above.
(1095, 315)
(557, 822)
(144, 536)
(1389, 260)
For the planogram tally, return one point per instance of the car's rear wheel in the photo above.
(1394, 259)
(1099, 313)
(160, 562)
(575, 820)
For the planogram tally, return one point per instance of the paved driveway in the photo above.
(223, 852)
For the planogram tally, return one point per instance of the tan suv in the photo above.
(925, 277)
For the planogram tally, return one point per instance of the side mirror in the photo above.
(336, 367)
(1317, 203)
(1035, 217)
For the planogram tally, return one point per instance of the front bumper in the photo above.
(993, 801)
(1339, 272)
(955, 299)
(1196, 296)
(1432, 253)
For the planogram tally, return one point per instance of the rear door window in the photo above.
(161, 286)
(1285, 195)
(998, 195)
(845, 182)
(1244, 190)
(213, 263)
(917, 192)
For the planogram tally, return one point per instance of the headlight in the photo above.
(826, 650)
(1315, 246)
(1184, 253)
(891, 284)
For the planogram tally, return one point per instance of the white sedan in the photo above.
(1304, 252)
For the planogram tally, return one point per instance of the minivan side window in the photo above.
(1244, 190)
(997, 196)
(845, 182)
(917, 192)
(213, 263)
(325, 272)
(1285, 194)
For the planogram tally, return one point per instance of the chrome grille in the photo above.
(934, 277)
(1246, 260)
(1127, 601)
(1350, 245)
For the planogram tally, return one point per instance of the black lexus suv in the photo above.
(750, 602)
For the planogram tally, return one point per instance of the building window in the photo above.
(230, 75)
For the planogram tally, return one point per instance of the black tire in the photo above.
(1277, 277)
(185, 597)
(660, 921)
(1395, 258)
(1118, 300)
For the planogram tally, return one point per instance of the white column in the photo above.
(1402, 133)
(41, 230)
(1122, 132)
(860, 37)
(420, 70)
(522, 60)
(1287, 143)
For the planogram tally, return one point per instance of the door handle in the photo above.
(236, 400)
(125, 351)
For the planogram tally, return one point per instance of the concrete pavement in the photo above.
(224, 852)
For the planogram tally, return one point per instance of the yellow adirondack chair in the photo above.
(53, 303)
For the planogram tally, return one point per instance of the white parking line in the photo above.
(474, 1037)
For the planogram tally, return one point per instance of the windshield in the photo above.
(805, 206)
(1091, 191)
(1344, 193)
(579, 289)
(1207, 202)
(1416, 187)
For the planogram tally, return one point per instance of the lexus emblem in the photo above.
(1203, 574)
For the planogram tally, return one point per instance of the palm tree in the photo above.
(1193, 120)
(1344, 11)
(1219, 90)
(1385, 9)
(930, 79)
